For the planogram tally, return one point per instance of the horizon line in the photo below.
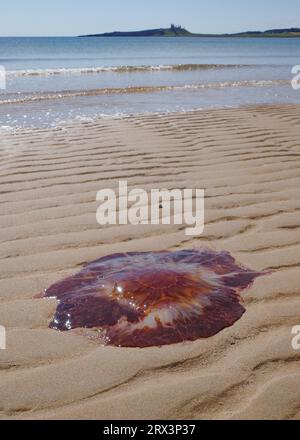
(140, 30)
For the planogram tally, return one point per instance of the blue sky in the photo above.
(73, 17)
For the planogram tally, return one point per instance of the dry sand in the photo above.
(248, 162)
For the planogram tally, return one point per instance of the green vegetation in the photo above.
(172, 31)
(273, 33)
(178, 31)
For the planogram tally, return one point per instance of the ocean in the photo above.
(52, 81)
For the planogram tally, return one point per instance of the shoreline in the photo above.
(74, 123)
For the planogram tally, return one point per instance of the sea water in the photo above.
(50, 81)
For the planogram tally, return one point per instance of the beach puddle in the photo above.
(154, 298)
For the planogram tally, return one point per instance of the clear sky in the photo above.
(73, 17)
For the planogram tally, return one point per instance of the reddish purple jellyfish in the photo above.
(153, 299)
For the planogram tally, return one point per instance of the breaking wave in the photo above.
(40, 96)
(116, 69)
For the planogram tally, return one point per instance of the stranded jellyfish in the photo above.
(155, 298)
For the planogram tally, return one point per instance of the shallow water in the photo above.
(52, 80)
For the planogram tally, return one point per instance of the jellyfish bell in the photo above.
(153, 298)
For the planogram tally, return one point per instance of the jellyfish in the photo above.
(146, 299)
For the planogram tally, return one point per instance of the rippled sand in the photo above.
(248, 162)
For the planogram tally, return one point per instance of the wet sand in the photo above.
(247, 160)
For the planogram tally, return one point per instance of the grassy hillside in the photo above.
(273, 33)
(178, 31)
(173, 31)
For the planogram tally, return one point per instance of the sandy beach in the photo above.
(248, 162)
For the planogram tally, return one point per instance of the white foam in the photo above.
(103, 69)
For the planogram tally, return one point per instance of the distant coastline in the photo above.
(178, 31)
